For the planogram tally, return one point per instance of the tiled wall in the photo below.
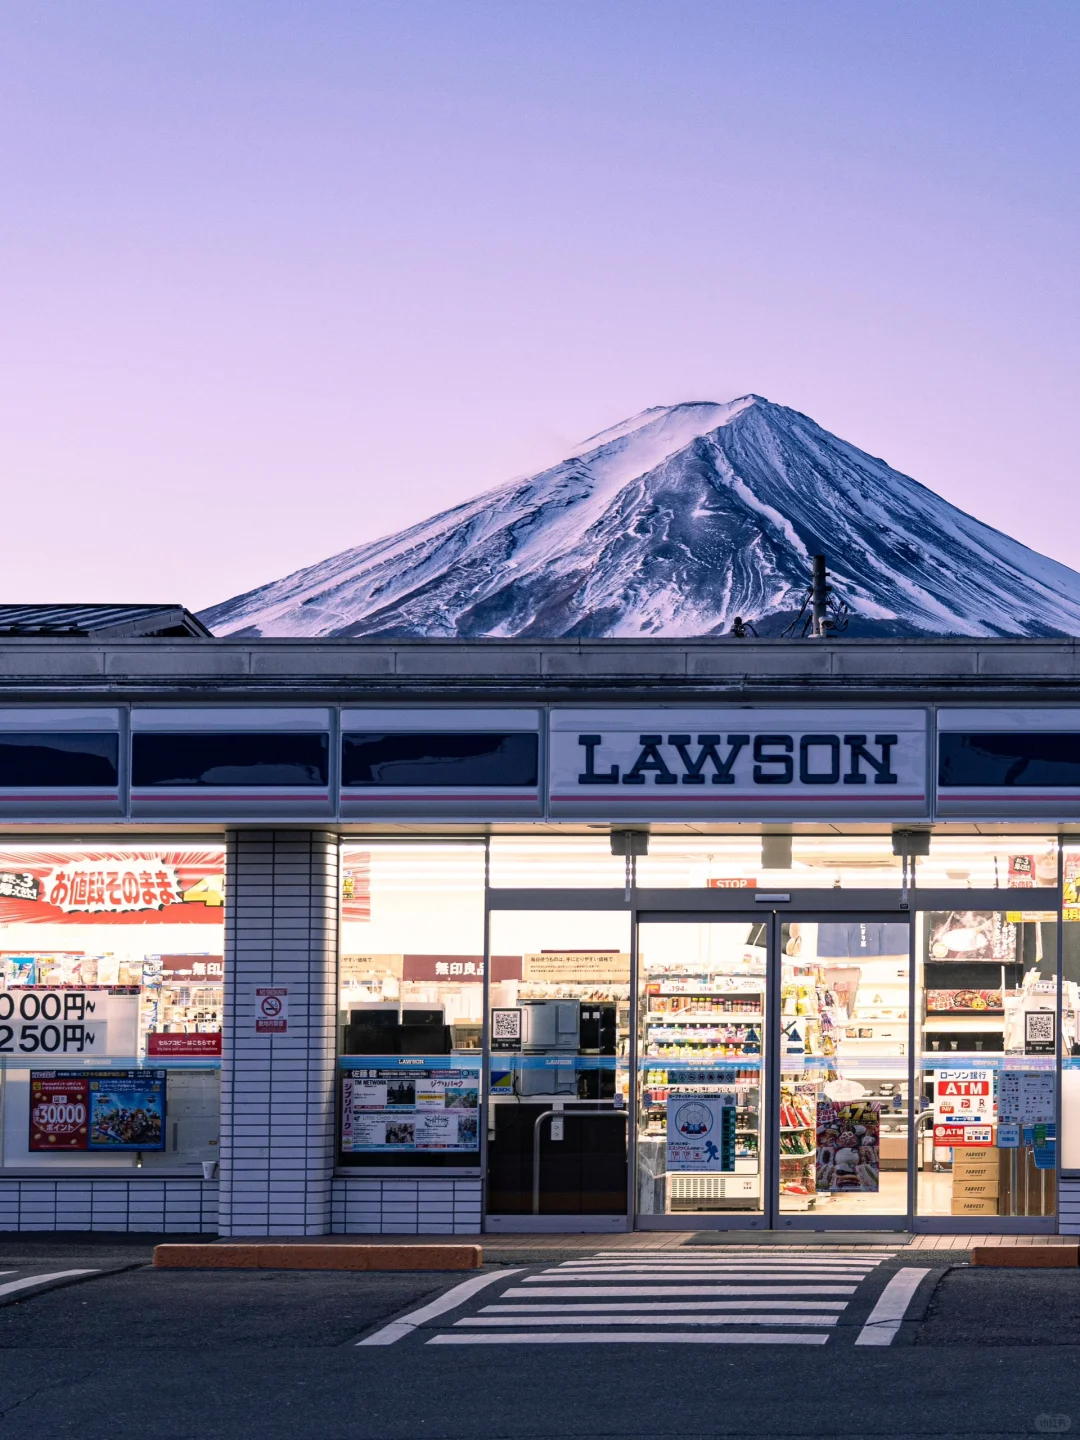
(406, 1207)
(178, 1207)
(1069, 1206)
(277, 1091)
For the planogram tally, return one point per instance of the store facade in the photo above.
(442, 937)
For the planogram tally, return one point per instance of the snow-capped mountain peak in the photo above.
(671, 523)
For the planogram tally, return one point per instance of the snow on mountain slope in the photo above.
(673, 523)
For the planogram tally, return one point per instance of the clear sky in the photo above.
(281, 276)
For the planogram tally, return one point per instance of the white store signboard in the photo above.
(685, 764)
(92, 1022)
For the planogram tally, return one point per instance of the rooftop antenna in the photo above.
(821, 613)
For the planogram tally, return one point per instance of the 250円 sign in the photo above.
(88, 1022)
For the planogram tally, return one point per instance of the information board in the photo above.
(415, 1107)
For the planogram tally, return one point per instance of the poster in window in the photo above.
(426, 1110)
(848, 1144)
(127, 1110)
(971, 935)
(59, 1107)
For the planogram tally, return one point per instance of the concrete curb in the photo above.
(318, 1257)
(1035, 1257)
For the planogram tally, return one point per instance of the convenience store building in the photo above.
(430, 936)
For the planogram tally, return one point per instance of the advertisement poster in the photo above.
(415, 1109)
(701, 1131)
(964, 1105)
(127, 1110)
(125, 887)
(97, 1110)
(968, 935)
(848, 1146)
(59, 1107)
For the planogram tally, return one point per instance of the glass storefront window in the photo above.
(987, 1027)
(111, 997)
(560, 1043)
(989, 862)
(772, 860)
(410, 1004)
(555, 862)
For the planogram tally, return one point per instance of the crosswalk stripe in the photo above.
(659, 1291)
(573, 1277)
(608, 1307)
(617, 1337)
(496, 1320)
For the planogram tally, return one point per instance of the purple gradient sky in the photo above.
(279, 278)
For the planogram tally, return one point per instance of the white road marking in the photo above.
(550, 1278)
(609, 1337)
(884, 1320)
(685, 1319)
(608, 1307)
(398, 1329)
(659, 1291)
(13, 1285)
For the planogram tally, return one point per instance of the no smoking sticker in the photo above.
(271, 1010)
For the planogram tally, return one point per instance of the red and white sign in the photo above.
(963, 1097)
(723, 882)
(271, 1010)
(129, 887)
(179, 1043)
(981, 1135)
(59, 1106)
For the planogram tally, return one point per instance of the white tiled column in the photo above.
(277, 1091)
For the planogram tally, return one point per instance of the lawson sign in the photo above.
(737, 763)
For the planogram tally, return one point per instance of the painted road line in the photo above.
(688, 1319)
(13, 1286)
(547, 1278)
(609, 1337)
(658, 1292)
(457, 1295)
(610, 1307)
(729, 1259)
(884, 1320)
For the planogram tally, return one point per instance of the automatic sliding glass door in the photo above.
(700, 1084)
(844, 1067)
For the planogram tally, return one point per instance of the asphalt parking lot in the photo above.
(128, 1351)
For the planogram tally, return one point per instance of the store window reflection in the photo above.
(560, 1038)
(410, 1005)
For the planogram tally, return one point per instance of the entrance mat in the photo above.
(799, 1237)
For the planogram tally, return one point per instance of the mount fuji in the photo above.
(671, 524)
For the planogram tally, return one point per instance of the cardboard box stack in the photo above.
(975, 1184)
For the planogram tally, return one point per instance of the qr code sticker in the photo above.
(1039, 1027)
(506, 1024)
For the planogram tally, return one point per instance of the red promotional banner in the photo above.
(175, 1044)
(120, 887)
(59, 1106)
